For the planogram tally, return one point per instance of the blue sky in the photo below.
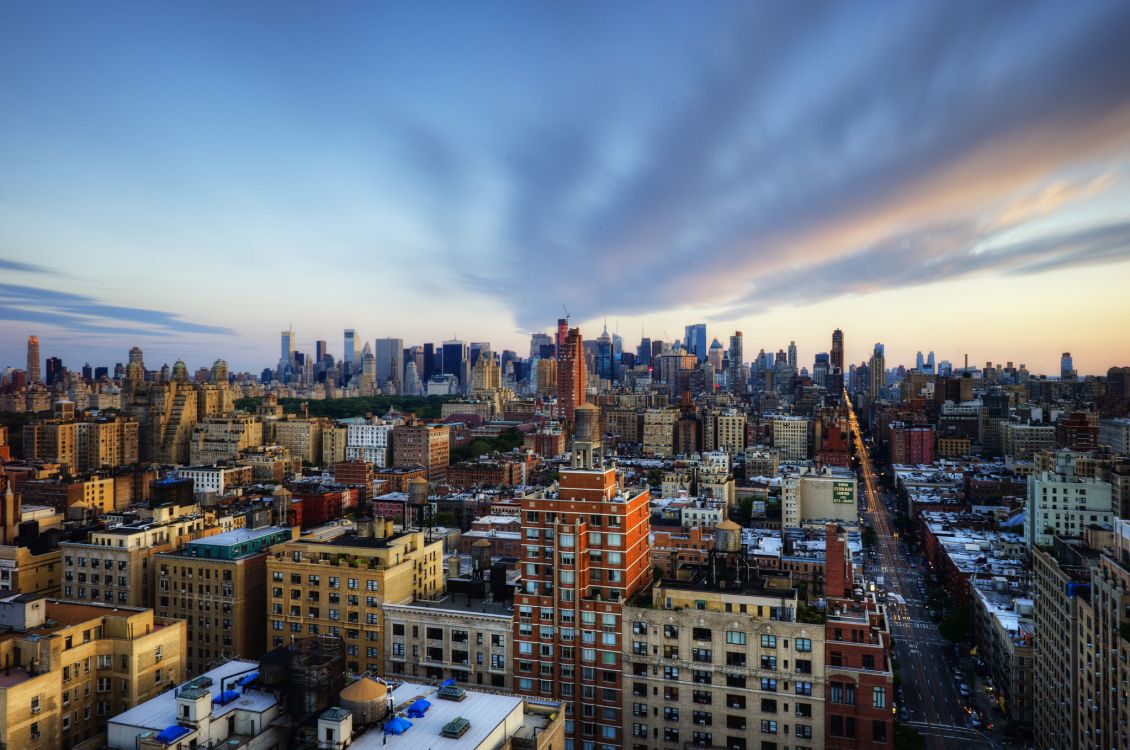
(194, 177)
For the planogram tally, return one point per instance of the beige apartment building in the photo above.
(216, 439)
(713, 667)
(339, 587)
(116, 565)
(302, 437)
(218, 586)
(73, 666)
(452, 638)
(659, 432)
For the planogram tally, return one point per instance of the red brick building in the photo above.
(912, 445)
(502, 471)
(418, 444)
(585, 551)
(860, 683)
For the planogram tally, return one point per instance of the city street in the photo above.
(933, 705)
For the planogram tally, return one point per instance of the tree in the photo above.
(957, 625)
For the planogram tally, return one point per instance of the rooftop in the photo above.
(161, 712)
(236, 536)
(486, 712)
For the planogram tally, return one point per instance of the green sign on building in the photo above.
(843, 492)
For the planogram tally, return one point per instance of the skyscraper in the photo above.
(716, 355)
(695, 340)
(537, 341)
(877, 368)
(429, 363)
(1066, 366)
(792, 356)
(604, 359)
(390, 362)
(286, 348)
(571, 373)
(838, 351)
(320, 349)
(454, 358)
(919, 362)
(54, 371)
(737, 364)
(349, 357)
(33, 373)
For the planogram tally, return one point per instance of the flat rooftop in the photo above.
(485, 711)
(161, 712)
(236, 536)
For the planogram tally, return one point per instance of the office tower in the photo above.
(429, 367)
(585, 553)
(562, 333)
(716, 355)
(33, 360)
(930, 363)
(792, 356)
(412, 385)
(737, 364)
(537, 341)
(54, 371)
(286, 348)
(877, 367)
(604, 360)
(695, 340)
(454, 358)
(820, 369)
(320, 351)
(838, 351)
(476, 349)
(1066, 367)
(571, 373)
(390, 363)
(643, 352)
(368, 369)
(919, 362)
(87, 372)
(350, 355)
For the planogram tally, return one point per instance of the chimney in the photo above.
(835, 564)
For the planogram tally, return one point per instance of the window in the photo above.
(769, 684)
(669, 631)
(804, 731)
(768, 726)
(878, 731)
(804, 645)
(670, 714)
(804, 688)
(701, 634)
(768, 641)
(769, 662)
(879, 697)
(735, 637)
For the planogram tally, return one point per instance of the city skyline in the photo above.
(925, 176)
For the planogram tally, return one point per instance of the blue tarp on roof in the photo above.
(226, 697)
(447, 683)
(397, 725)
(418, 709)
(249, 679)
(169, 735)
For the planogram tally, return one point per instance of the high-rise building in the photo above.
(429, 367)
(426, 445)
(33, 374)
(476, 349)
(715, 355)
(838, 351)
(320, 351)
(695, 340)
(390, 363)
(454, 358)
(537, 341)
(877, 367)
(571, 372)
(605, 363)
(54, 371)
(737, 380)
(1064, 504)
(350, 354)
(792, 356)
(286, 349)
(1066, 367)
(585, 554)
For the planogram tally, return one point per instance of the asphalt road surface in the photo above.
(933, 705)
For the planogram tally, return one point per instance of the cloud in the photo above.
(13, 265)
(79, 313)
(811, 131)
(927, 255)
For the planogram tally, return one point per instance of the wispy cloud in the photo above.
(14, 265)
(80, 313)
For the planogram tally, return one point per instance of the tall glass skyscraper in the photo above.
(695, 341)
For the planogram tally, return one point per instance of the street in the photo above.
(933, 705)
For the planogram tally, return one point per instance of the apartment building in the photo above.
(455, 637)
(340, 587)
(585, 554)
(70, 667)
(218, 586)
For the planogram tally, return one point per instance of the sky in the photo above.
(193, 178)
